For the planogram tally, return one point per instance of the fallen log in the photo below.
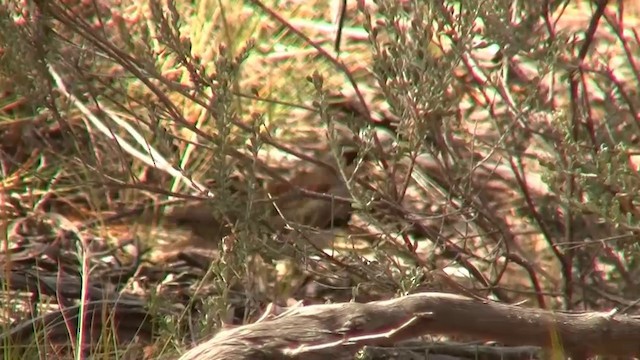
(338, 331)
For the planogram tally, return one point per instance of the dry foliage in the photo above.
(169, 168)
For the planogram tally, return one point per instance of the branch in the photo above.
(338, 331)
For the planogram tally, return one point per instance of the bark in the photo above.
(338, 331)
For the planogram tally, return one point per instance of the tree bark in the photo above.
(338, 331)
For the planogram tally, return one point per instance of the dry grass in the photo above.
(242, 129)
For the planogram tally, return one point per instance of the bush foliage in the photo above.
(480, 147)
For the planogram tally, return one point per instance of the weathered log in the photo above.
(338, 331)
